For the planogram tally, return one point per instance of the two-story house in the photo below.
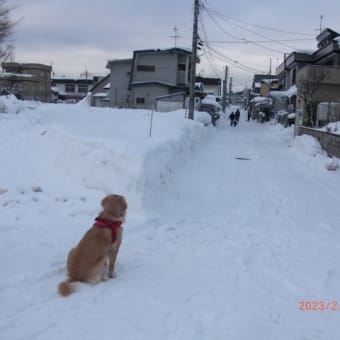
(297, 64)
(151, 73)
(156, 73)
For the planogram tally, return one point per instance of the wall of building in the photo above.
(149, 93)
(119, 83)
(165, 64)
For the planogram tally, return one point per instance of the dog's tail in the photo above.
(66, 288)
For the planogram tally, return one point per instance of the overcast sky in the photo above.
(248, 36)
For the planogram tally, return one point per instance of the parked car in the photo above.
(212, 110)
(211, 105)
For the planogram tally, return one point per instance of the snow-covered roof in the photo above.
(19, 75)
(100, 94)
(260, 99)
(292, 91)
(310, 52)
(269, 81)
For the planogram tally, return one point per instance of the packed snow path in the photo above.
(241, 244)
(229, 249)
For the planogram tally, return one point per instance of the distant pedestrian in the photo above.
(232, 118)
(237, 117)
(249, 115)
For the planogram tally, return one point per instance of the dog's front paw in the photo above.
(113, 275)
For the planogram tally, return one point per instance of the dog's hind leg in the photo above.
(96, 273)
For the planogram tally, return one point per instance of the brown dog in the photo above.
(87, 262)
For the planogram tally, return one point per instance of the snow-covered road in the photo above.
(240, 243)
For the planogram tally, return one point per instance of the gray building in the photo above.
(150, 74)
(327, 54)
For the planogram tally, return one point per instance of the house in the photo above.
(298, 64)
(210, 85)
(263, 83)
(150, 74)
(72, 89)
(328, 91)
(28, 81)
(156, 73)
(100, 93)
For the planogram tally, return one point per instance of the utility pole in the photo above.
(224, 91)
(230, 86)
(193, 61)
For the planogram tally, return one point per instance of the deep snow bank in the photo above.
(75, 151)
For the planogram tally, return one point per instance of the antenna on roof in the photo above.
(321, 18)
(175, 36)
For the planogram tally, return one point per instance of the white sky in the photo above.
(81, 34)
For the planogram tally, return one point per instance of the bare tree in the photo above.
(6, 30)
(308, 85)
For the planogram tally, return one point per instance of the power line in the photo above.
(238, 38)
(234, 62)
(211, 52)
(264, 27)
(245, 41)
(205, 50)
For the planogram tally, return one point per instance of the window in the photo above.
(70, 88)
(330, 62)
(181, 67)
(294, 77)
(82, 88)
(140, 100)
(146, 68)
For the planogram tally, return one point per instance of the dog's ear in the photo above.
(123, 203)
(104, 200)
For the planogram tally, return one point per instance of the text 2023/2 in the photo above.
(319, 306)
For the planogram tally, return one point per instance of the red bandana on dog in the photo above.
(113, 226)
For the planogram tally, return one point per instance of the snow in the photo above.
(333, 127)
(292, 91)
(214, 247)
(260, 99)
(304, 51)
(11, 74)
(212, 100)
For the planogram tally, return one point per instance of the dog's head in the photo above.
(114, 208)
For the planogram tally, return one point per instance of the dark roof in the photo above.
(166, 50)
(327, 33)
(72, 81)
(208, 81)
(100, 82)
(118, 61)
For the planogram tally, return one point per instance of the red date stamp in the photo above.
(319, 306)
